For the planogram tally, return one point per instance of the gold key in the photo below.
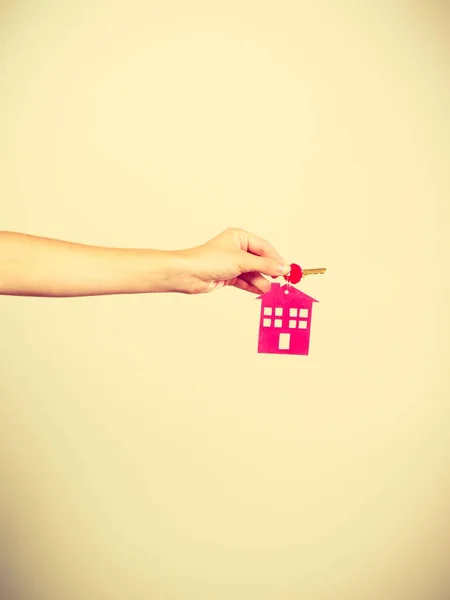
(296, 273)
(313, 272)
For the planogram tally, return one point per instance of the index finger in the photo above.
(258, 246)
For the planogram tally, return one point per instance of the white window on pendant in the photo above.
(267, 310)
(284, 341)
(304, 313)
(293, 323)
(278, 312)
(278, 322)
(267, 322)
(293, 312)
(302, 324)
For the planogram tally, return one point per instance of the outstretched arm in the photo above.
(37, 266)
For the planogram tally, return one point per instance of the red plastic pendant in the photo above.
(295, 274)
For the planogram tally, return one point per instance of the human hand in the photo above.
(233, 258)
(36, 266)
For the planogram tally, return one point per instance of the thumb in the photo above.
(263, 264)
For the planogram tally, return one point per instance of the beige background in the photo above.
(148, 452)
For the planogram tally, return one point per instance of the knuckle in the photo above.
(230, 229)
(235, 230)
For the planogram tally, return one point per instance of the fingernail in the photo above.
(283, 268)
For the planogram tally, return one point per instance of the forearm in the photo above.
(36, 266)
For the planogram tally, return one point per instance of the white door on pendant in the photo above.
(284, 341)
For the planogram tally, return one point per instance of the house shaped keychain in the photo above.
(285, 320)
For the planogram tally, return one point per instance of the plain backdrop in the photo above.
(148, 451)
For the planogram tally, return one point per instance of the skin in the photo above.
(37, 266)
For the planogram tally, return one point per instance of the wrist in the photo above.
(164, 271)
(181, 272)
(156, 271)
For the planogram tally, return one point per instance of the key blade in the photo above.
(313, 272)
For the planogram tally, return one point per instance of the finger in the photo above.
(258, 246)
(257, 281)
(244, 285)
(267, 266)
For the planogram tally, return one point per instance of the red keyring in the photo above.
(295, 274)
